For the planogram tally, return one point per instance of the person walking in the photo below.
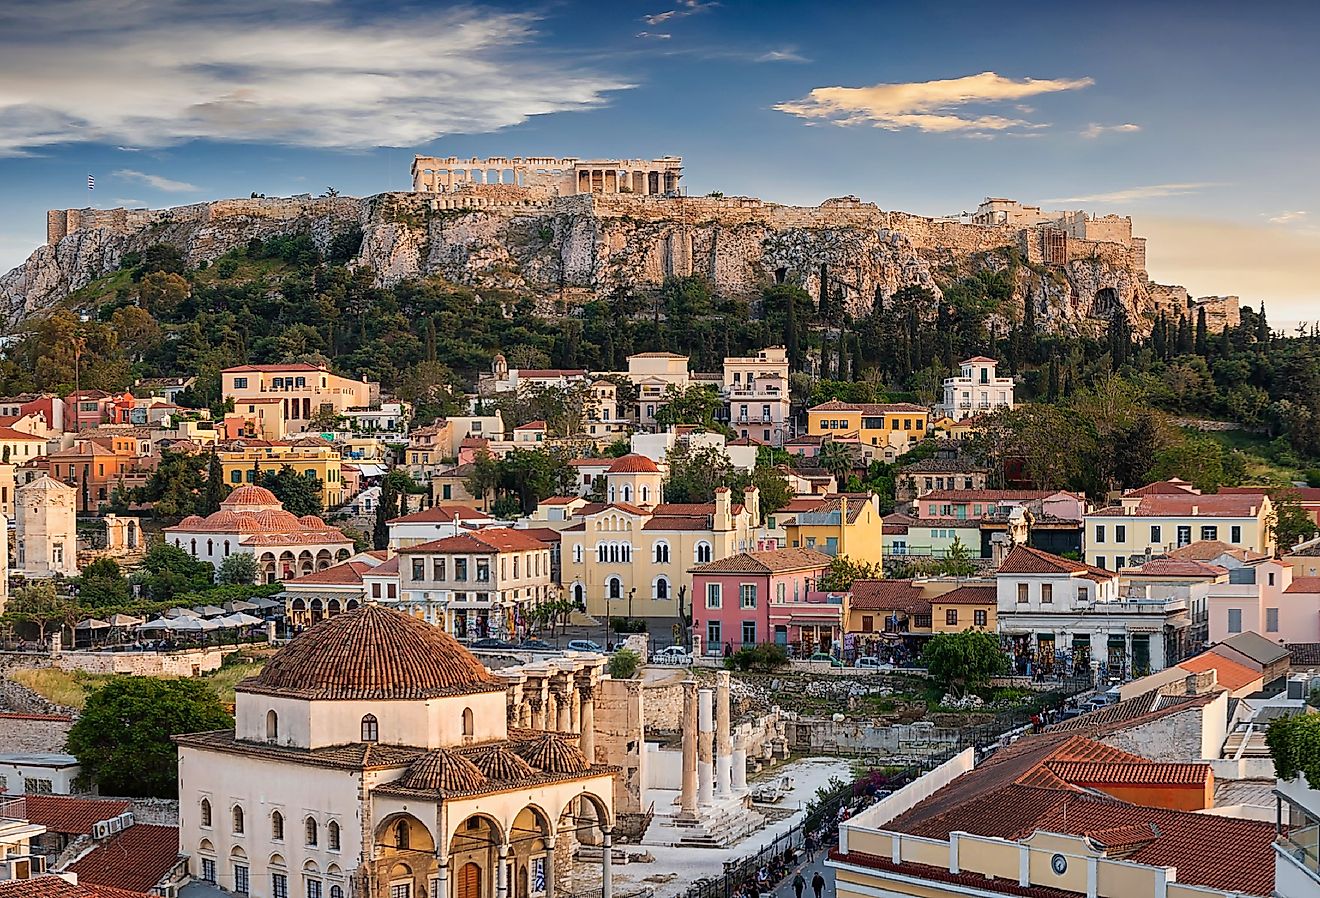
(818, 884)
(798, 884)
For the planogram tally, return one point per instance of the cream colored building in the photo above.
(1139, 526)
(375, 757)
(625, 559)
(976, 389)
(47, 538)
(303, 391)
(654, 374)
(756, 395)
(476, 584)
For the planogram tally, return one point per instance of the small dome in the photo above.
(445, 771)
(191, 521)
(553, 754)
(271, 519)
(311, 522)
(373, 652)
(499, 763)
(250, 496)
(633, 464)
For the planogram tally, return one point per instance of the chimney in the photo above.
(723, 509)
(1196, 509)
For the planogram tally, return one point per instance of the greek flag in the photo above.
(91, 183)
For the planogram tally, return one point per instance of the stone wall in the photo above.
(34, 733)
(620, 714)
(185, 663)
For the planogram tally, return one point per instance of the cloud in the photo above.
(654, 35)
(1287, 217)
(315, 73)
(1133, 194)
(156, 181)
(931, 106)
(685, 8)
(784, 54)
(1094, 130)
(128, 202)
(129, 149)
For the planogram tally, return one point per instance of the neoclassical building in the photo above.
(375, 757)
(252, 520)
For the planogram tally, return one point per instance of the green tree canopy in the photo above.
(301, 494)
(167, 570)
(102, 583)
(965, 661)
(239, 568)
(122, 739)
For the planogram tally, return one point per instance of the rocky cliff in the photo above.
(575, 248)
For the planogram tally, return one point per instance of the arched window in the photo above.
(627, 493)
(646, 493)
(370, 729)
(662, 587)
(272, 725)
(336, 892)
(401, 835)
(615, 588)
(210, 547)
(703, 552)
(468, 729)
(194, 548)
(332, 835)
(661, 552)
(579, 595)
(206, 812)
(238, 819)
(277, 826)
(310, 827)
(226, 548)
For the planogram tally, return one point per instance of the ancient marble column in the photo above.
(502, 873)
(549, 869)
(563, 687)
(739, 766)
(442, 876)
(606, 864)
(688, 797)
(587, 739)
(723, 736)
(705, 745)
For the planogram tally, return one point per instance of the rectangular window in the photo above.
(240, 383)
(713, 595)
(401, 890)
(780, 590)
(1024, 592)
(418, 569)
(1100, 561)
(537, 875)
(515, 570)
(208, 870)
(868, 623)
(713, 637)
(1047, 593)
(1271, 620)
(980, 618)
(1235, 620)
(1099, 533)
(1120, 533)
(279, 885)
(1155, 536)
(1184, 536)
(749, 632)
(1235, 534)
(313, 888)
(1209, 532)
(241, 879)
(747, 596)
(375, 590)
(483, 570)
(235, 476)
(951, 617)
(437, 568)
(1083, 594)
(460, 570)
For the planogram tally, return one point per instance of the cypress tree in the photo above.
(215, 484)
(1202, 336)
(1262, 325)
(387, 506)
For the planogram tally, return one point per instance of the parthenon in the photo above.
(549, 176)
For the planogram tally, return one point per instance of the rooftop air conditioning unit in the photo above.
(16, 868)
(115, 824)
(126, 819)
(101, 829)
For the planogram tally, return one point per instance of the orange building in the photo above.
(96, 465)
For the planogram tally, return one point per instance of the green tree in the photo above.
(216, 488)
(385, 507)
(843, 571)
(957, 563)
(301, 494)
(102, 584)
(965, 661)
(1294, 743)
(1290, 521)
(838, 458)
(176, 486)
(624, 664)
(41, 605)
(167, 570)
(122, 739)
(239, 568)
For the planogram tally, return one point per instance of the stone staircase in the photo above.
(719, 825)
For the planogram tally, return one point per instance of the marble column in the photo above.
(606, 864)
(723, 737)
(502, 873)
(739, 766)
(549, 869)
(564, 702)
(688, 796)
(705, 745)
(587, 738)
(442, 876)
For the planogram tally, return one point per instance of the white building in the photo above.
(252, 520)
(374, 756)
(1056, 611)
(45, 520)
(46, 773)
(1296, 854)
(756, 395)
(434, 523)
(975, 390)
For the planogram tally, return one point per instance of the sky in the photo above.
(1198, 119)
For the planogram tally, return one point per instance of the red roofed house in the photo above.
(304, 390)
(758, 597)
(1055, 611)
(325, 593)
(476, 584)
(1141, 525)
(435, 522)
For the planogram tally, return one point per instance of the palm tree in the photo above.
(837, 458)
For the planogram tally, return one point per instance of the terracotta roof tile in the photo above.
(349, 573)
(1172, 567)
(1026, 560)
(65, 814)
(134, 859)
(888, 595)
(52, 886)
(1181, 505)
(442, 514)
(1171, 487)
(770, 562)
(1148, 773)
(1304, 584)
(969, 594)
(488, 541)
(633, 464)
(1228, 673)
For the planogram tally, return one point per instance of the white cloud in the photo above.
(128, 202)
(685, 8)
(168, 185)
(1095, 129)
(150, 73)
(1288, 217)
(1133, 194)
(654, 35)
(784, 54)
(932, 106)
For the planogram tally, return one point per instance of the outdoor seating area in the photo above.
(236, 621)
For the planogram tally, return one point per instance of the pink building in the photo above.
(758, 597)
(1265, 598)
(974, 504)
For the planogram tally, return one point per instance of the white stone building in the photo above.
(756, 395)
(976, 389)
(374, 756)
(252, 520)
(45, 518)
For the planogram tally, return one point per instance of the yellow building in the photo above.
(241, 461)
(969, 606)
(303, 391)
(1142, 524)
(877, 426)
(839, 524)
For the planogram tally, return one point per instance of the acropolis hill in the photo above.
(571, 230)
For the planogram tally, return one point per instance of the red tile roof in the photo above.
(64, 814)
(970, 594)
(867, 408)
(134, 859)
(481, 542)
(980, 358)
(291, 366)
(776, 561)
(349, 573)
(1146, 773)
(1172, 567)
(1172, 486)
(888, 595)
(1207, 549)
(1027, 560)
(52, 886)
(633, 464)
(1228, 673)
(1181, 504)
(685, 509)
(1304, 584)
(442, 514)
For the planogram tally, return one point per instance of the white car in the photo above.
(674, 654)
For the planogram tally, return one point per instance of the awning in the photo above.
(370, 469)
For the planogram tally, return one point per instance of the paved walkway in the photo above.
(808, 870)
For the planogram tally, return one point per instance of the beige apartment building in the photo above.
(756, 395)
(1144, 524)
(301, 389)
(654, 374)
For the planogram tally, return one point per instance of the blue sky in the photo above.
(1197, 119)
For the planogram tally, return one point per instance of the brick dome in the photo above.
(553, 754)
(444, 771)
(372, 653)
(498, 762)
(250, 496)
(633, 464)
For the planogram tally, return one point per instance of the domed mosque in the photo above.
(252, 520)
(374, 755)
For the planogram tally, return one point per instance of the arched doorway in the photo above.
(469, 881)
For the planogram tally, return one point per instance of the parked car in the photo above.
(537, 645)
(674, 654)
(584, 645)
(492, 643)
(826, 658)
(873, 663)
